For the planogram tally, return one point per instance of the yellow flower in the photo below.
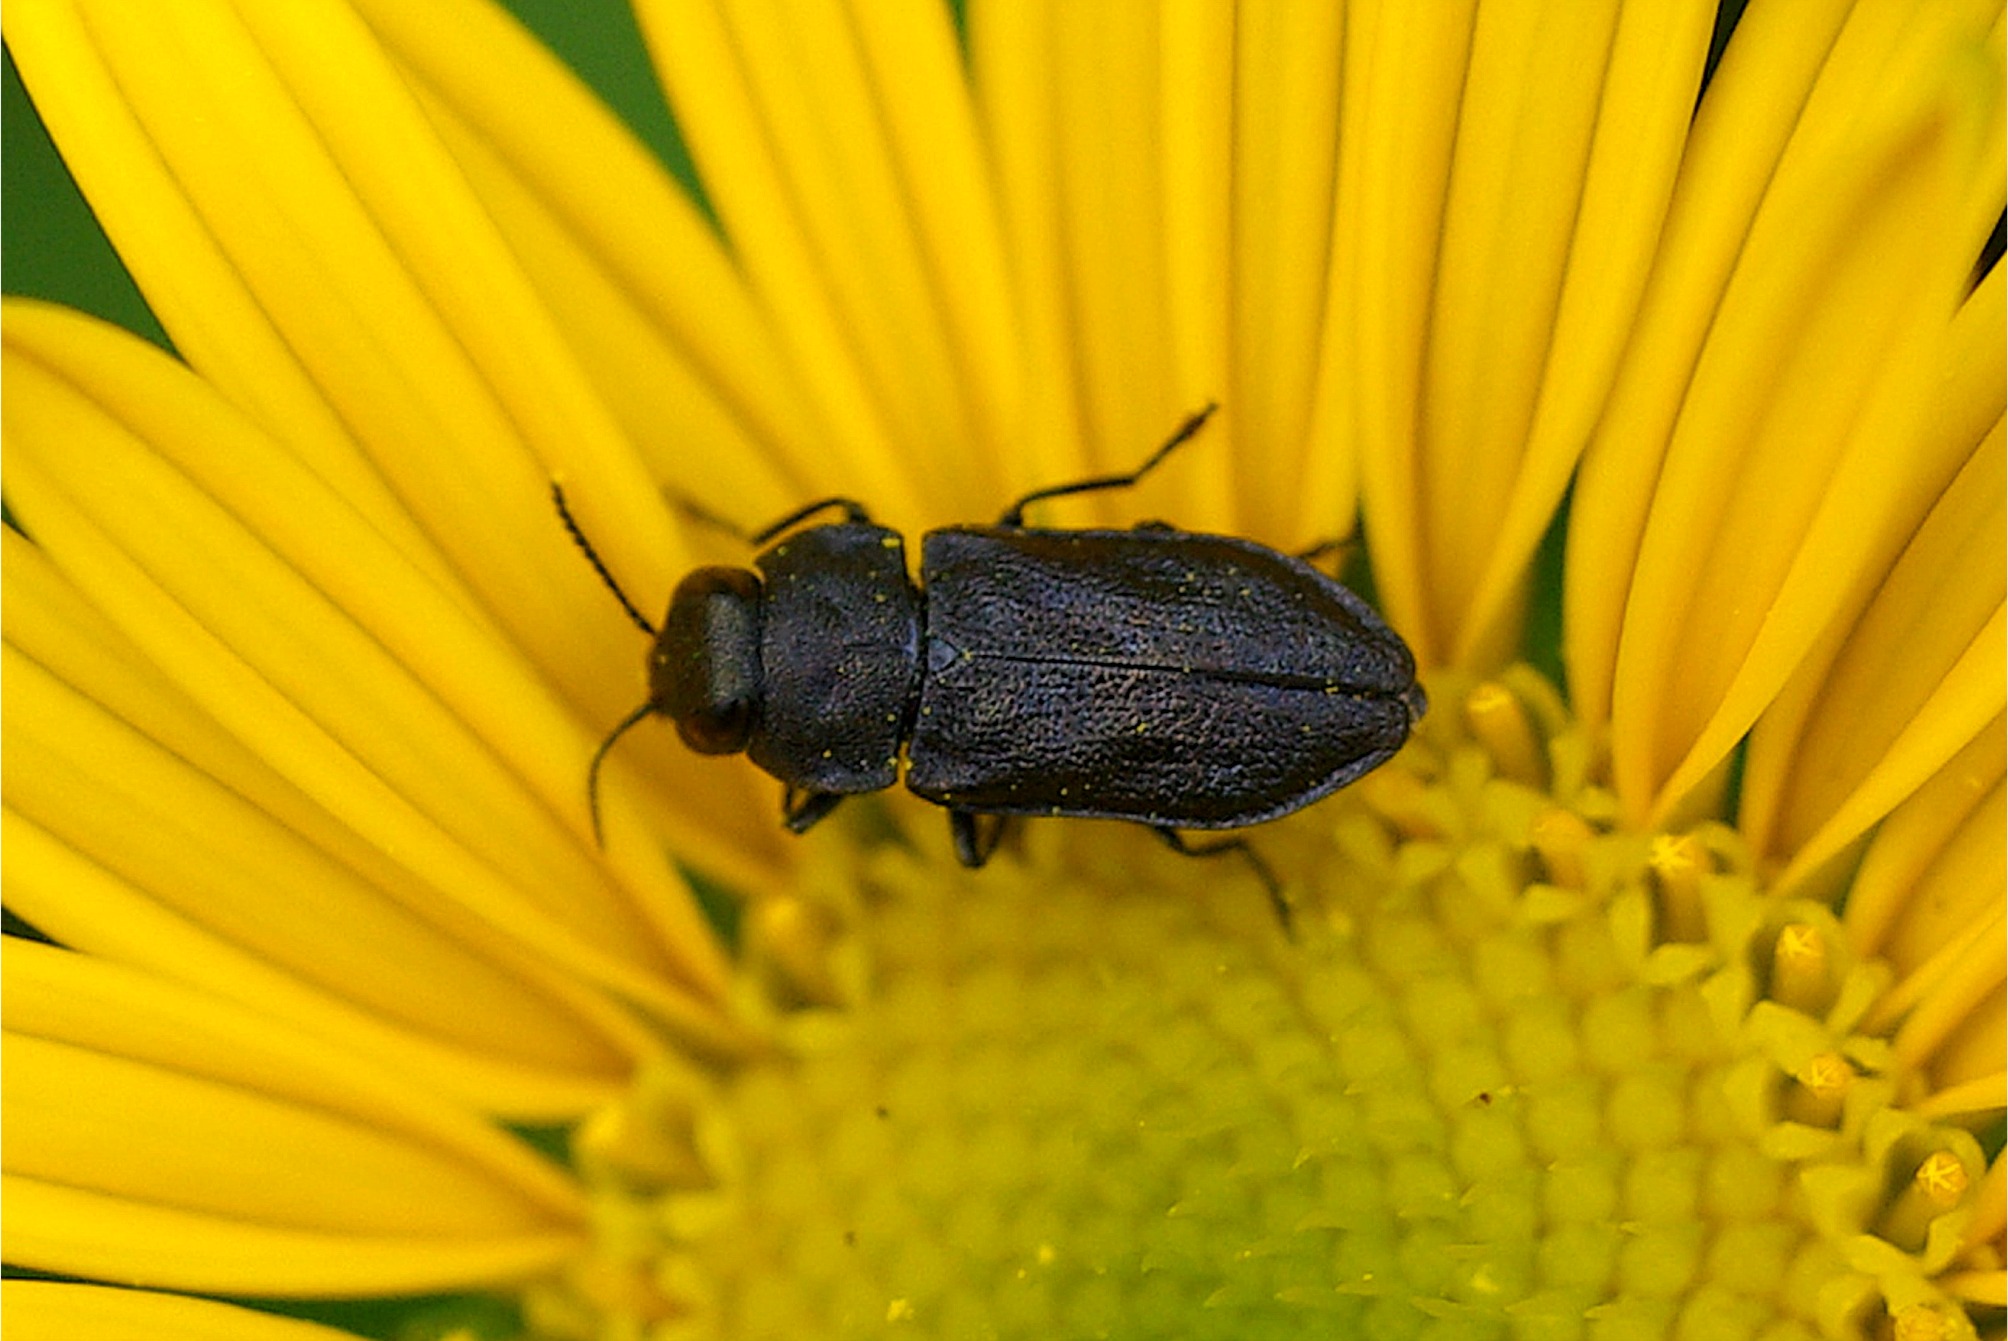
(1665, 999)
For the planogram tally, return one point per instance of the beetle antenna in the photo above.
(593, 769)
(592, 557)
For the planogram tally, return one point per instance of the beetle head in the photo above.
(705, 670)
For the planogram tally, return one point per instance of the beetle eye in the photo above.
(705, 670)
(722, 730)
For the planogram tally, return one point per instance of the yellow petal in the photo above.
(779, 113)
(1642, 120)
(1944, 936)
(207, 837)
(470, 1028)
(1409, 65)
(1964, 1074)
(680, 351)
(1776, 396)
(1941, 407)
(1917, 676)
(1784, 106)
(43, 1310)
(129, 1100)
(1947, 991)
(1990, 1207)
(1528, 127)
(316, 253)
(77, 1231)
(191, 278)
(1202, 143)
(1216, 131)
(1758, 90)
(1016, 90)
(1288, 58)
(372, 298)
(1105, 65)
(1504, 175)
(1954, 808)
(334, 662)
(204, 830)
(915, 69)
(1962, 887)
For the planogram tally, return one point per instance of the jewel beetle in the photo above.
(1180, 680)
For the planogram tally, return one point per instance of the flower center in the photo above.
(1510, 1070)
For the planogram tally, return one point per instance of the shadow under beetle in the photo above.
(1179, 680)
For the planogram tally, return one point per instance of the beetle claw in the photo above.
(973, 845)
(802, 810)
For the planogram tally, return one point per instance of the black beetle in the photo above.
(1182, 681)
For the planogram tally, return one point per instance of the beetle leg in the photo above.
(800, 810)
(1339, 552)
(972, 845)
(1015, 514)
(1323, 549)
(1175, 840)
(854, 511)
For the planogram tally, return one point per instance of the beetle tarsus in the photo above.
(973, 845)
(1176, 841)
(803, 810)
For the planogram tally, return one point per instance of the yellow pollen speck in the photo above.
(1920, 1322)
(1678, 863)
(899, 1310)
(1560, 837)
(1502, 726)
(1827, 1074)
(1799, 967)
(1942, 1179)
(889, 542)
(1823, 1084)
(1938, 1185)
